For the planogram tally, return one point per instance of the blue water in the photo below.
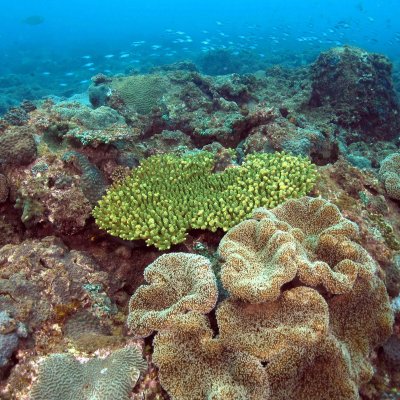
(78, 39)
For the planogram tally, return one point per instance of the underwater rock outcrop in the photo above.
(11, 332)
(39, 277)
(4, 188)
(311, 335)
(357, 87)
(49, 194)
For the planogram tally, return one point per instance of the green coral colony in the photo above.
(168, 195)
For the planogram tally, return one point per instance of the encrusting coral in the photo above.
(63, 377)
(307, 238)
(155, 307)
(92, 180)
(302, 333)
(167, 195)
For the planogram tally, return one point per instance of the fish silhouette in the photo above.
(33, 20)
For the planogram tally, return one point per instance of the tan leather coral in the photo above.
(296, 320)
(305, 308)
(181, 288)
(194, 365)
(307, 238)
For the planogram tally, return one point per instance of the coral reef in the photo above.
(63, 377)
(290, 303)
(167, 195)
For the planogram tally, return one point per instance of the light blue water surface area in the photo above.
(51, 47)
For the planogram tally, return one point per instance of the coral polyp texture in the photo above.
(168, 195)
(194, 365)
(300, 332)
(63, 377)
(180, 286)
(295, 322)
(306, 238)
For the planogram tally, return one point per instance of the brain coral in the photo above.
(389, 175)
(141, 93)
(311, 335)
(17, 147)
(168, 195)
(155, 306)
(62, 377)
(307, 238)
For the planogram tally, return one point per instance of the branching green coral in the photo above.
(168, 195)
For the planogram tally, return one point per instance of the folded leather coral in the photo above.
(307, 239)
(305, 309)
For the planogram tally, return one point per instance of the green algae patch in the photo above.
(168, 195)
